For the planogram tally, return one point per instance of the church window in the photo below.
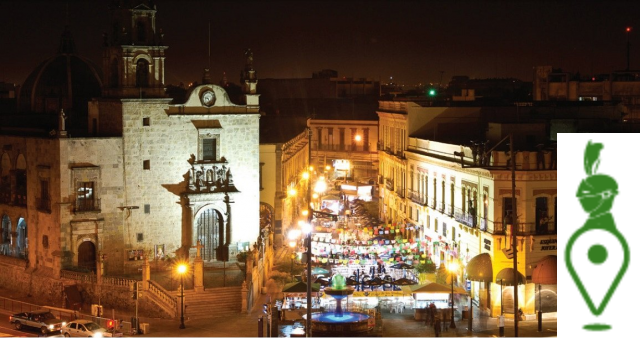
(145, 121)
(142, 32)
(146, 164)
(142, 73)
(147, 208)
(139, 237)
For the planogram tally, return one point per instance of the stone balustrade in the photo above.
(163, 298)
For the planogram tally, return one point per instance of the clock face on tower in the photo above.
(208, 98)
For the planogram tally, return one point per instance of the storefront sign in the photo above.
(487, 244)
(546, 244)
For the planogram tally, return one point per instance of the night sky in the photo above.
(413, 41)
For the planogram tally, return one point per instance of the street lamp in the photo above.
(182, 268)
(453, 266)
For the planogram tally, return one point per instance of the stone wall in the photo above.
(47, 290)
(42, 287)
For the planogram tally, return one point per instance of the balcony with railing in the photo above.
(5, 196)
(87, 205)
(20, 199)
(400, 192)
(546, 228)
(498, 228)
(464, 218)
(528, 228)
(389, 184)
(432, 203)
(483, 224)
(441, 207)
(415, 197)
(206, 177)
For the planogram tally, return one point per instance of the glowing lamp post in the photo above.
(453, 267)
(182, 268)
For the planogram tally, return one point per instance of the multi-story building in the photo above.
(284, 156)
(622, 87)
(137, 176)
(462, 207)
(348, 146)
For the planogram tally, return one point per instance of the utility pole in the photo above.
(514, 231)
(308, 239)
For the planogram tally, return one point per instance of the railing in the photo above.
(118, 281)
(531, 229)
(5, 197)
(389, 184)
(87, 205)
(498, 228)
(400, 192)
(211, 177)
(441, 207)
(526, 228)
(464, 218)
(163, 298)
(20, 200)
(415, 197)
(79, 276)
(483, 224)
(432, 203)
(17, 306)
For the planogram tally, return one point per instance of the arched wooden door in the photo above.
(87, 256)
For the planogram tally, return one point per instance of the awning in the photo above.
(546, 271)
(479, 268)
(505, 277)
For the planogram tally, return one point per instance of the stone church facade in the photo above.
(147, 177)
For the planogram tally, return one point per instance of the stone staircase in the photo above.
(211, 303)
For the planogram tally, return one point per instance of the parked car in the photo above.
(84, 328)
(43, 320)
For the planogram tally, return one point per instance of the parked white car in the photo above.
(84, 328)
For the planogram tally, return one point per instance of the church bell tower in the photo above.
(133, 61)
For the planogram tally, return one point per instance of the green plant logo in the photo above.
(596, 194)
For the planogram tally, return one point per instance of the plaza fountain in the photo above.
(339, 322)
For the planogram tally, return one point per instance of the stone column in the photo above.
(249, 266)
(198, 274)
(198, 270)
(243, 294)
(146, 273)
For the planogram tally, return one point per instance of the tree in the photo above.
(442, 274)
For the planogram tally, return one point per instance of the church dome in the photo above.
(65, 81)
